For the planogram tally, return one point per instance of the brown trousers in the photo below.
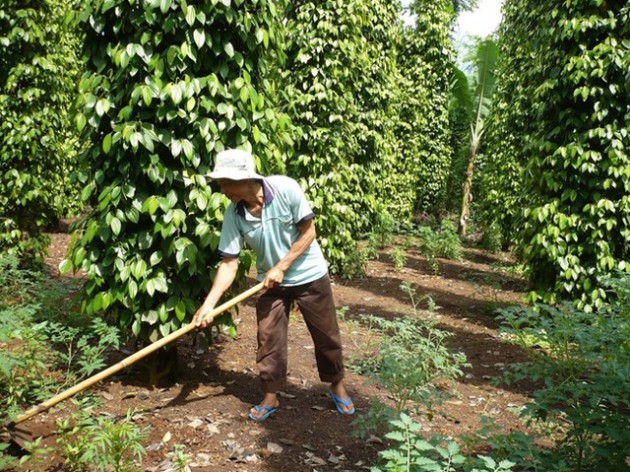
(315, 302)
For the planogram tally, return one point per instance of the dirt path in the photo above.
(205, 410)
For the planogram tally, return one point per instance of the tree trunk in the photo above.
(160, 368)
(466, 190)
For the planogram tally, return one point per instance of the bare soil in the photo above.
(205, 407)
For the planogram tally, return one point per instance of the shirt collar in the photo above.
(268, 196)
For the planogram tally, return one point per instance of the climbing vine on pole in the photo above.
(39, 68)
(562, 128)
(170, 83)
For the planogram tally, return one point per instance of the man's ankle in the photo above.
(270, 399)
(339, 389)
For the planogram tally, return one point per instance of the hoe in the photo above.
(20, 435)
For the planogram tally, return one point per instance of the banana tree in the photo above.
(475, 95)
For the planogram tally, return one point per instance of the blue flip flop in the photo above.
(340, 401)
(268, 412)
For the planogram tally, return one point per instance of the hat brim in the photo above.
(233, 175)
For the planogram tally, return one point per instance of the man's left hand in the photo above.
(273, 277)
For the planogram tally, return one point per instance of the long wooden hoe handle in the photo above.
(132, 358)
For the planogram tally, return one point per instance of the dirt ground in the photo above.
(205, 408)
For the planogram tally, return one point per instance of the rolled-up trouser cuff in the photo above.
(272, 387)
(332, 379)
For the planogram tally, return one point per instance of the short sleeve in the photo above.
(231, 241)
(300, 208)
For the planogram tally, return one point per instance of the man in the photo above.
(272, 216)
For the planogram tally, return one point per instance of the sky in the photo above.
(483, 21)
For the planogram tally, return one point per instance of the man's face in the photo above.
(233, 189)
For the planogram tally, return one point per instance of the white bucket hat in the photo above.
(234, 164)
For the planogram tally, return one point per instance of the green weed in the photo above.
(383, 231)
(116, 444)
(354, 264)
(584, 368)
(14, 280)
(38, 455)
(371, 248)
(179, 459)
(81, 350)
(375, 420)
(74, 443)
(361, 333)
(341, 314)
(411, 357)
(442, 243)
(45, 344)
(6, 460)
(516, 446)
(382, 235)
(109, 444)
(487, 287)
(399, 258)
(507, 267)
(24, 367)
(411, 452)
(416, 301)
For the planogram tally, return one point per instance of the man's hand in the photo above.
(273, 277)
(200, 319)
(222, 281)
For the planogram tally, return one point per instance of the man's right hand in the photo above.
(223, 279)
(200, 319)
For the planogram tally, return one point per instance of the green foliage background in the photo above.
(425, 61)
(170, 83)
(355, 106)
(39, 68)
(337, 88)
(560, 143)
(370, 98)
